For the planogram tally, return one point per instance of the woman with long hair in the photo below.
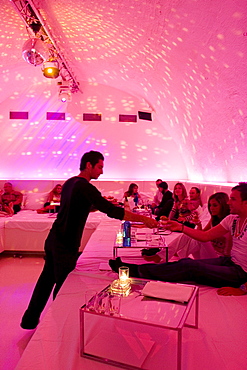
(132, 194)
(184, 245)
(55, 194)
(53, 197)
(218, 208)
(182, 210)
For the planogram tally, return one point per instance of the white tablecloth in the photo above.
(27, 231)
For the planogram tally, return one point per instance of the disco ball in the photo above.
(34, 51)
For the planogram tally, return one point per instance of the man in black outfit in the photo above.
(63, 241)
(165, 206)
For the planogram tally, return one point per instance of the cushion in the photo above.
(34, 201)
(117, 194)
(204, 214)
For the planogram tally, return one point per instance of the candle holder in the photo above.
(119, 238)
(123, 273)
(122, 286)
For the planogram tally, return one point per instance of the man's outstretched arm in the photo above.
(148, 221)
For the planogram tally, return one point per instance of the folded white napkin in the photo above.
(162, 290)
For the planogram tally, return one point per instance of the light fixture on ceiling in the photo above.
(51, 68)
(37, 27)
(65, 97)
(34, 51)
(64, 92)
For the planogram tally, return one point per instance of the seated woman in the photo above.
(182, 210)
(184, 246)
(132, 195)
(54, 197)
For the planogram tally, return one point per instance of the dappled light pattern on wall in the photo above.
(51, 149)
(183, 60)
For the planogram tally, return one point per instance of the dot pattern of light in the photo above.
(184, 60)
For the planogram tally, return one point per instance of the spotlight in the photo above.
(65, 97)
(51, 69)
(64, 92)
(34, 51)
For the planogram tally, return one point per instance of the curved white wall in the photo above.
(185, 58)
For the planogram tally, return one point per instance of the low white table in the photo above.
(139, 241)
(144, 326)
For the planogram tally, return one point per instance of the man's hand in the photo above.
(230, 291)
(150, 222)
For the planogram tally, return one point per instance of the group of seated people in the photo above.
(180, 213)
(184, 246)
(176, 205)
(11, 200)
(225, 234)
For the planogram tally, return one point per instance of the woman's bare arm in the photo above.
(203, 236)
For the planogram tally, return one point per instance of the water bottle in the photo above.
(136, 199)
(126, 234)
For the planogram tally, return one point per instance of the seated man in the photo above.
(11, 196)
(158, 195)
(165, 206)
(227, 272)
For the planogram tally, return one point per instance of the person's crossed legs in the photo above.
(216, 272)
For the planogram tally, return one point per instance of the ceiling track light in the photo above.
(51, 68)
(37, 28)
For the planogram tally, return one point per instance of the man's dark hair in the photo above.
(163, 185)
(196, 189)
(242, 188)
(92, 157)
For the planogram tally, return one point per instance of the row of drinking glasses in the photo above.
(103, 302)
(151, 238)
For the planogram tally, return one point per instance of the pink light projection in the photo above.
(183, 61)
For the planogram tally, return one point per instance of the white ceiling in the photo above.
(183, 59)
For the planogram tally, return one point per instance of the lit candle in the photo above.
(123, 274)
(119, 238)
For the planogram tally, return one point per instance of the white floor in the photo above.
(17, 279)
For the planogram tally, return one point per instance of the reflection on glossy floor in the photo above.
(17, 279)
